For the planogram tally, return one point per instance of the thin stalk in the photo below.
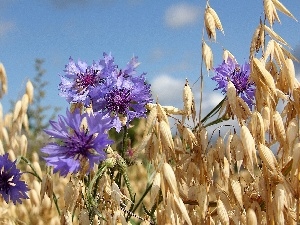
(213, 111)
(98, 174)
(219, 120)
(142, 198)
(124, 141)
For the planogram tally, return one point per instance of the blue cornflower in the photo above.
(82, 138)
(80, 79)
(239, 76)
(11, 187)
(123, 94)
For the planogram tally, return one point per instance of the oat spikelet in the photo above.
(288, 54)
(222, 213)
(267, 157)
(227, 148)
(170, 177)
(278, 54)
(189, 137)
(292, 132)
(270, 11)
(283, 9)
(207, 56)
(279, 200)
(173, 110)
(155, 188)
(166, 135)
(269, 50)
(243, 108)
(3, 79)
(251, 217)
(265, 77)
(47, 187)
(29, 90)
(257, 127)
(161, 114)
(249, 145)
(182, 209)
(25, 102)
(275, 35)
(227, 54)
(289, 69)
(296, 158)
(23, 145)
(210, 25)
(257, 40)
(279, 126)
(188, 99)
(150, 120)
(216, 18)
(220, 148)
(202, 200)
(265, 113)
(237, 190)
(231, 95)
(237, 150)
(17, 110)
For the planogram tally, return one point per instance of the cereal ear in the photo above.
(216, 18)
(210, 25)
(278, 5)
(207, 56)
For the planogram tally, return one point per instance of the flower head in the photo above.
(82, 138)
(239, 76)
(80, 79)
(123, 94)
(11, 187)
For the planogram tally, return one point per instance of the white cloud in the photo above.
(168, 90)
(210, 100)
(182, 14)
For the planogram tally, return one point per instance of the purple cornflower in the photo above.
(123, 94)
(80, 79)
(82, 138)
(239, 76)
(11, 187)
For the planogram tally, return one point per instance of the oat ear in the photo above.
(207, 56)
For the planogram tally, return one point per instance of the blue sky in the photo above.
(165, 35)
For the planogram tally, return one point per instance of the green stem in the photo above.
(122, 154)
(219, 120)
(98, 174)
(124, 142)
(127, 182)
(139, 202)
(213, 111)
(142, 198)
